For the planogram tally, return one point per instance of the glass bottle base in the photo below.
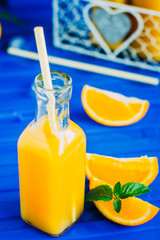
(53, 235)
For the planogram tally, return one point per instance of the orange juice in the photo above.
(147, 45)
(52, 174)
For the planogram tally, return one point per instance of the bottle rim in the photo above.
(39, 87)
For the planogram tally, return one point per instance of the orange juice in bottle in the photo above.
(147, 45)
(52, 168)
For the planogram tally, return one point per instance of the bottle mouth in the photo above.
(62, 87)
(60, 82)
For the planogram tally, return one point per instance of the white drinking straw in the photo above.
(43, 59)
(86, 67)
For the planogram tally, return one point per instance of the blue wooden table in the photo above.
(17, 107)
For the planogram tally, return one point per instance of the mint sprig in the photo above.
(102, 192)
(106, 194)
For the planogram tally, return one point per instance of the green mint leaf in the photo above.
(117, 189)
(133, 189)
(102, 192)
(117, 205)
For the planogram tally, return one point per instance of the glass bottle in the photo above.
(52, 167)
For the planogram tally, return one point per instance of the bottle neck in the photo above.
(62, 89)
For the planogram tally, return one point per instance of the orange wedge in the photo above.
(111, 170)
(134, 211)
(112, 109)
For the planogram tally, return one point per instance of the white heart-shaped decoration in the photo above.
(113, 27)
(112, 13)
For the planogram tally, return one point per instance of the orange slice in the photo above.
(112, 109)
(134, 211)
(111, 170)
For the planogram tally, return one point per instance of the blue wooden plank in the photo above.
(14, 123)
(29, 4)
(90, 230)
(24, 103)
(9, 183)
(12, 223)
(9, 196)
(11, 170)
(19, 72)
(9, 209)
(113, 147)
